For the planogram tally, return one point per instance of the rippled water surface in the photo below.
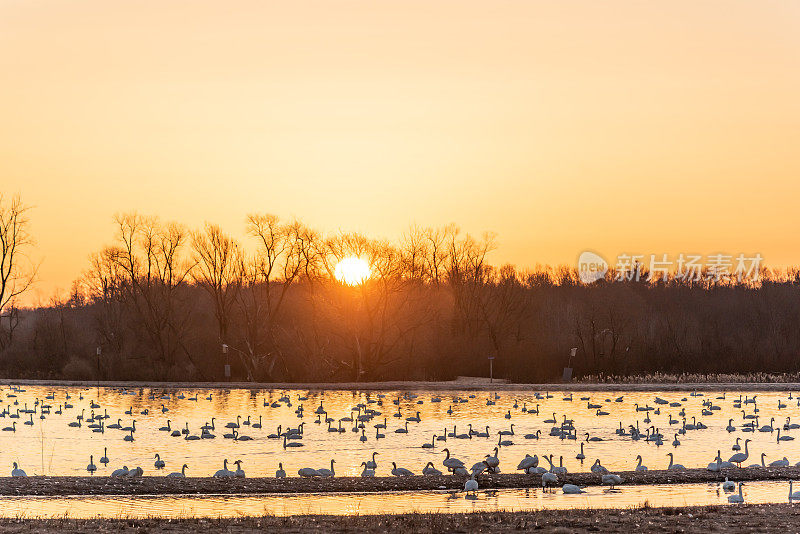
(172, 506)
(49, 446)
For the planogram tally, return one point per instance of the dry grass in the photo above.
(728, 519)
(694, 378)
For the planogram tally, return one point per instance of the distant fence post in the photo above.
(227, 364)
(567, 376)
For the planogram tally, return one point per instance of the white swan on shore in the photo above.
(123, 472)
(401, 471)
(639, 467)
(740, 457)
(179, 474)
(224, 472)
(16, 471)
(673, 466)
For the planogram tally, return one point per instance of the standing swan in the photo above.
(451, 463)
(740, 457)
(471, 485)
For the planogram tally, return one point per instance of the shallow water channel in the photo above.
(184, 506)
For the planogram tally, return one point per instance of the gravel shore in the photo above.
(777, 518)
(162, 486)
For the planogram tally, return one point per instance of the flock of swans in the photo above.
(530, 422)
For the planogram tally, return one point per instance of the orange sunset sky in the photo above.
(649, 127)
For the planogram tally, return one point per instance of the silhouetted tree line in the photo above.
(162, 300)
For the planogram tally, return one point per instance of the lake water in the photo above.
(49, 446)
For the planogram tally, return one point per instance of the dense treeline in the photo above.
(161, 301)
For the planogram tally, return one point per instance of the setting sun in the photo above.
(352, 271)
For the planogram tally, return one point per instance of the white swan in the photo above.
(451, 463)
(580, 455)
(224, 472)
(529, 462)
(137, 472)
(730, 485)
(327, 472)
(429, 469)
(673, 466)
(367, 472)
(401, 471)
(492, 461)
(16, 471)
(239, 473)
(471, 485)
(598, 469)
(549, 479)
(737, 498)
(290, 444)
(179, 474)
(372, 464)
(120, 472)
(307, 472)
(91, 467)
(639, 467)
(740, 457)
(571, 489)
(793, 496)
(280, 473)
(611, 480)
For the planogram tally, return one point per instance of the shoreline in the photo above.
(453, 385)
(768, 518)
(148, 485)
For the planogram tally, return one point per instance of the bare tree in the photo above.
(150, 257)
(284, 253)
(104, 285)
(219, 266)
(375, 318)
(17, 271)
